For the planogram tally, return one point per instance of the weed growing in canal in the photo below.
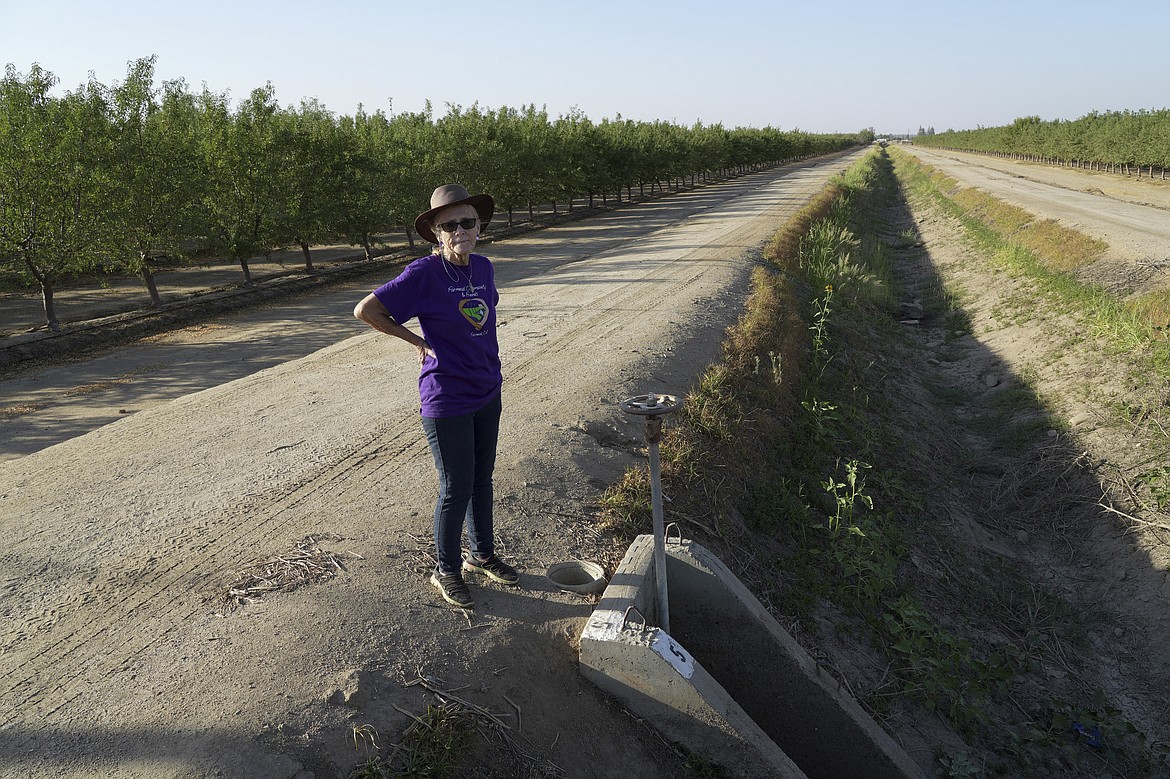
(847, 495)
(820, 338)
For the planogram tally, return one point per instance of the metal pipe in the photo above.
(653, 434)
(654, 407)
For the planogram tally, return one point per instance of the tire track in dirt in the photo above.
(203, 554)
(209, 549)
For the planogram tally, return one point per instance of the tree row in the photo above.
(109, 179)
(1117, 140)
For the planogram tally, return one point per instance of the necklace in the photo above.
(459, 276)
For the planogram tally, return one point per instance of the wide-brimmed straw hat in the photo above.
(453, 195)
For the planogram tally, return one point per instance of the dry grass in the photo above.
(97, 386)
(1044, 490)
(304, 564)
(441, 742)
(20, 409)
(1154, 308)
(784, 248)
(1057, 247)
(772, 333)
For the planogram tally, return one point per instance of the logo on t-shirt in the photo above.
(475, 311)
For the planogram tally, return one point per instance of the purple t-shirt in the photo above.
(456, 309)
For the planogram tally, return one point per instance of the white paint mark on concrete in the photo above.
(603, 625)
(673, 653)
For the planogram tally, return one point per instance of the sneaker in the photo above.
(494, 568)
(453, 590)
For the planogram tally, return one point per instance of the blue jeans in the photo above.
(464, 449)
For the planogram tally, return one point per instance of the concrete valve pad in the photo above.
(763, 710)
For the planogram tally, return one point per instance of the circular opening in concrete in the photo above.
(577, 576)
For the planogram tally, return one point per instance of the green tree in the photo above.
(244, 199)
(540, 157)
(715, 145)
(478, 149)
(386, 175)
(620, 154)
(311, 147)
(154, 195)
(51, 165)
(582, 167)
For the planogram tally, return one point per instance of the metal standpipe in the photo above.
(654, 407)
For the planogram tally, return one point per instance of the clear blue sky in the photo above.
(828, 66)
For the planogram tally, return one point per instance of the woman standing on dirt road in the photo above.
(453, 295)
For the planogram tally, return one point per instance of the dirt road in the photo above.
(1131, 215)
(137, 485)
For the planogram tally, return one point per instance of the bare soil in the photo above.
(138, 483)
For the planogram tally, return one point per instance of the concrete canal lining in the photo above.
(729, 682)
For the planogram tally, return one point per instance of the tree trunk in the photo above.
(530, 217)
(510, 216)
(46, 294)
(308, 256)
(366, 246)
(148, 279)
(50, 309)
(247, 271)
(554, 204)
(409, 238)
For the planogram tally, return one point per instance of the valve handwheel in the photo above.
(652, 404)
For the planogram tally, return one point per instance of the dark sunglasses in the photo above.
(466, 224)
